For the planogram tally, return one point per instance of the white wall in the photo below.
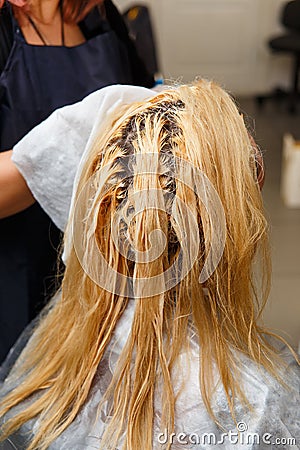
(220, 39)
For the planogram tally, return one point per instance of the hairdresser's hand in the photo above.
(15, 195)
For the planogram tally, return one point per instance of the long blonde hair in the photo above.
(133, 172)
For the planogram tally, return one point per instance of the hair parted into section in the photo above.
(140, 208)
(73, 10)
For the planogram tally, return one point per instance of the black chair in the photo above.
(138, 21)
(289, 42)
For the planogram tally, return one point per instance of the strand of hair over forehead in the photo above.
(200, 124)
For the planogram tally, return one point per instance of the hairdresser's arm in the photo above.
(43, 164)
(15, 195)
(48, 156)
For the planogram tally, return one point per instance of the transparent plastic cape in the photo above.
(273, 423)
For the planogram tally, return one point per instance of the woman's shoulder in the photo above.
(101, 19)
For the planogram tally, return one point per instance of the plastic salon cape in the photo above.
(36, 80)
(275, 416)
(274, 419)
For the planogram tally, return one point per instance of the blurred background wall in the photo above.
(220, 39)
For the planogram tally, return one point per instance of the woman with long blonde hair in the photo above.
(154, 341)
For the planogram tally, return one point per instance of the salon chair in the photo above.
(289, 43)
(138, 21)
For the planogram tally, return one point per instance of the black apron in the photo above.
(36, 81)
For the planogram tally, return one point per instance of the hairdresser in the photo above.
(52, 53)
